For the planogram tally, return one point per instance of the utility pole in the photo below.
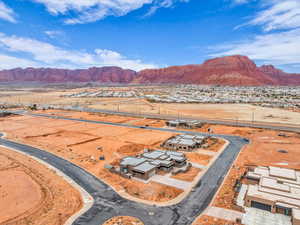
(253, 117)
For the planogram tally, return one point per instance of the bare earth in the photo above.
(123, 220)
(208, 220)
(30, 193)
(189, 175)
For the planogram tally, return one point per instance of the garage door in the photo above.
(262, 206)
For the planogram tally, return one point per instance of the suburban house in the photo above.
(149, 163)
(189, 124)
(273, 189)
(184, 142)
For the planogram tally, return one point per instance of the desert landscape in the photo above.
(139, 104)
(150, 112)
(31, 193)
(84, 144)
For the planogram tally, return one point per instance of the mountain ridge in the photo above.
(234, 70)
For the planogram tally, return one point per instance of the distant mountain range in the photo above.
(229, 70)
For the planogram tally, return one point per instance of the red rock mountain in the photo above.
(229, 70)
(103, 74)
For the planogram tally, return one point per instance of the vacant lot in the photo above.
(123, 220)
(30, 193)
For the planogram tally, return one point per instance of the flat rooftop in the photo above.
(283, 173)
(132, 161)
(153, 155)
(144, 167)
(278, 185)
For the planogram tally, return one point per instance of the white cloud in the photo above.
(7, 13)
(279, 42)
(162, 4)
(276, 48)
(283, 14)
(54, 33)
(52, 56)
(239, 2)
(8, 62)
(92, 10)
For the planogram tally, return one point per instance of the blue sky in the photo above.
(139, 34)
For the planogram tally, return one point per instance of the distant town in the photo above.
(268, 96)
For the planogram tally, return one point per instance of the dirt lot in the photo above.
(234, 112)
(214, 144)
(123, 220)
(84, 144)
(197, 157)
(189, 175)
(208, 220)
(30, 193)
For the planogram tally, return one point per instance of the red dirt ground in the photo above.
(123, 220)
(32, 194)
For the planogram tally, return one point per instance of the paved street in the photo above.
(253, 124)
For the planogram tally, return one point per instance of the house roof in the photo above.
(132, 161)
(175, 153)
(144, 167)
(283, 172)
(153, 155)
(162, 162)
(178, 158)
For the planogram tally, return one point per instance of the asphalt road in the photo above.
(255, 124)
(108, 203)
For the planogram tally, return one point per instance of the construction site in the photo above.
(139, 165)
(93, 146)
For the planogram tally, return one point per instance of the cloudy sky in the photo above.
(139, 34)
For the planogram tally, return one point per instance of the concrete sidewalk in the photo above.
(199, 166)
